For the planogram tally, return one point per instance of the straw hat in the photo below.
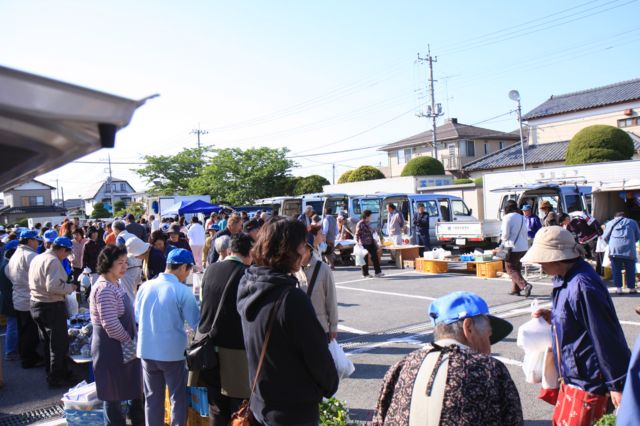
(553, 244)
(546, 205)
(136, 247)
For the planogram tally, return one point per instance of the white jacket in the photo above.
(17, 270)
(196, 234)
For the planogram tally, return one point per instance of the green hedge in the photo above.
(423, 166)
(599, 143)
(363, 173)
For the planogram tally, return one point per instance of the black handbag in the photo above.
(203, 354)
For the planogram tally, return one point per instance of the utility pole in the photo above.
(198, 132)
(62, 190)
(109, 187)
(57, 190)
(434, 110)
(334, 173)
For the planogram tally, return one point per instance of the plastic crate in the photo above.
(432, 266)
(489, 269)
(198, 400)
(84, 418)
(483, 258)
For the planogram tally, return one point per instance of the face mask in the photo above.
(322, 247)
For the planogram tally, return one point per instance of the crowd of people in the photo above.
(268, 307)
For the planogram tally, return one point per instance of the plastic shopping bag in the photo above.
(606, 260)
(344, 366)
(532, 365)
(360, 252)
(71, 300)
(534, 335)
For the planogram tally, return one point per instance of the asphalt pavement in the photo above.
(381, 320)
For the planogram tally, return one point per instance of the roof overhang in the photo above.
(45, 124)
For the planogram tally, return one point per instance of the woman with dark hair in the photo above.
(158, 239)
(364, 237)
(298, 370)
(118, 374)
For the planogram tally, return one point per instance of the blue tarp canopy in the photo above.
(185, 207)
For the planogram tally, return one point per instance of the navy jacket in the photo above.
(594, 353)
(629, 412)
(422, 223)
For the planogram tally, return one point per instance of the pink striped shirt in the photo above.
(106, 305)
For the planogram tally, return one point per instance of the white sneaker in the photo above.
(633, 290)
(618, 290)
(380, 275)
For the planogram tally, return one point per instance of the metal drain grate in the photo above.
(33, 416)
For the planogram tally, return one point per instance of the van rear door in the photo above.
(403, 207)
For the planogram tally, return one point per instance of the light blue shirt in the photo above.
(162, 307)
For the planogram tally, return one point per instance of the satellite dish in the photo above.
(514, 95)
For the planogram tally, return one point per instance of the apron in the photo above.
(116, 381)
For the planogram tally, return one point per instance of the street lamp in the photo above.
(515, 96)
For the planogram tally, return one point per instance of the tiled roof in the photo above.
(56, 211)
(592, 98)
(451, 130)
(534, 154)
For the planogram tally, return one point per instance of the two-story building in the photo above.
(108, 192)
(457, 143)
(28, 200)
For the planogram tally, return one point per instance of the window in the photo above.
(459, 208)
(430, 206)
(123, 187)
(629, 122)
(33, 201)
(574, 203)
(500, 145)
(400, 155)
(471, 149)
(407, 154)
(486, 148)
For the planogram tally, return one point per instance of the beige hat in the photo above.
(553, 244)
(136, 247)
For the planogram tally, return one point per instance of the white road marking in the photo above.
(351, 330)
(368, 279)
(508, 361)
(387, 293)
(629, 322)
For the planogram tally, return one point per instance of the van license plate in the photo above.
(461, 241)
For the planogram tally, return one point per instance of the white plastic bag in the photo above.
(606, 260)
(344, 366)
(532, 365)
(360, 252)
(534, 335)
(71, 300)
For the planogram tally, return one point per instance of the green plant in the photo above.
(344, 178)
(478, 181)
(309, 184)
(423, 166)
(99, 211)
(333, 412)
(462, 181)
(22, 222)
(607, 420)
(598, 143)
(363, 173)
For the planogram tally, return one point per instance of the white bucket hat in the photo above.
(553, 244)
(136, 247)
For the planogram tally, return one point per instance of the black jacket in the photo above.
(228, 333)
(6, 291)
(298, 369)
(138, 230)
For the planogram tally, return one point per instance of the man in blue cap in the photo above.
(17, 271)
(162, 307)
(456, 380)
(48, 282)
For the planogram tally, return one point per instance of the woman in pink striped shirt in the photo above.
(118, 373)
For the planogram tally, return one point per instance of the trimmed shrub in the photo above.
(423, 166)
(598, 143)
(309, 184)
(462, 181)
(363, 173)
(344, 178)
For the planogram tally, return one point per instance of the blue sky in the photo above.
(307, 75)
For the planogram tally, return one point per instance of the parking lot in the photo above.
(381, 320)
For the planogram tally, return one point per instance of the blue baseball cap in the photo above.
(526, 207)
(459, 305)
(11, 245)
(50, 236)
(28, 234)
(180, 257)
(63, 242)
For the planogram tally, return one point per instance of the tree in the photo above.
(344, 178)
(135, 208)
(365, 173)
(172, 174)
(598, 143)
(119, 208)
(239, 176)
(423, 166)
(309, 184)
(99, 211)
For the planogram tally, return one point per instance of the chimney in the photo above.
(453, 120)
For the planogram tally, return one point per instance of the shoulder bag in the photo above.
(244, 416)
(314, 277)
(509, 250)
(202, 354)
